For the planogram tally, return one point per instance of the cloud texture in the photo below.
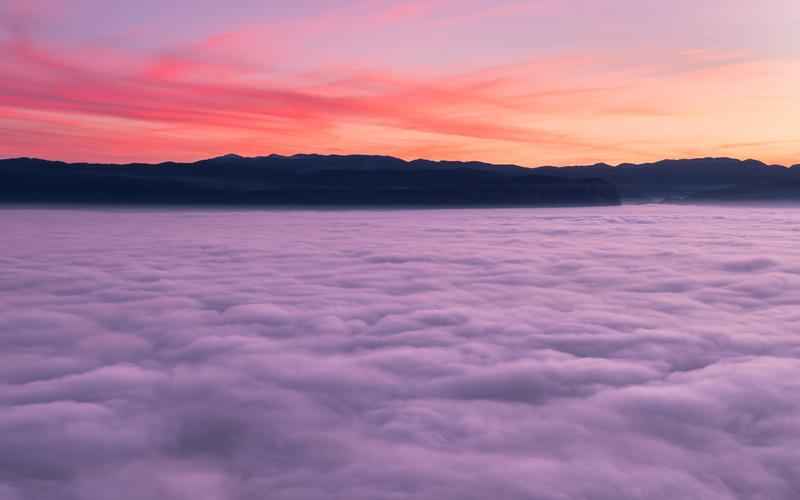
(620, 353)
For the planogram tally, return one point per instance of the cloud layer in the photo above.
(621, 353)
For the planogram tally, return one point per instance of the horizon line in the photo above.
(365, 155)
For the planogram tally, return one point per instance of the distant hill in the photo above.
(696, 179)
(301, 180)
(359, 180)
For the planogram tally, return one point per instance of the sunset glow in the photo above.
(531, 81)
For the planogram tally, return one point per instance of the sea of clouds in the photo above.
(603, 354)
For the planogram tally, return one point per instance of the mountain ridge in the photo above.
(236, 156)
(301, 180)
(694, 179)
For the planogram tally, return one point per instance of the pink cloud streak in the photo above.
(568, 105)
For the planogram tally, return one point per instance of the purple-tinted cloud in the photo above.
(619, 353)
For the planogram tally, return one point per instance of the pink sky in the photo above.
(530, 82)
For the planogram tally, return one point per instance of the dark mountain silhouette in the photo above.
(767, 191)
(306, 180)
(695, 179)
(309, 179)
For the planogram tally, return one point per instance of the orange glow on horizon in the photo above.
(90, 100)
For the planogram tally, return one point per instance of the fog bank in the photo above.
(618, 353)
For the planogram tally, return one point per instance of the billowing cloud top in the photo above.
(603, 353)
(524, 81)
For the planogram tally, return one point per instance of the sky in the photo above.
(619, 353)
(532, 82)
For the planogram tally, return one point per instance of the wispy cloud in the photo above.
(286, 83)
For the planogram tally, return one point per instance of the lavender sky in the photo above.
(529, 81)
